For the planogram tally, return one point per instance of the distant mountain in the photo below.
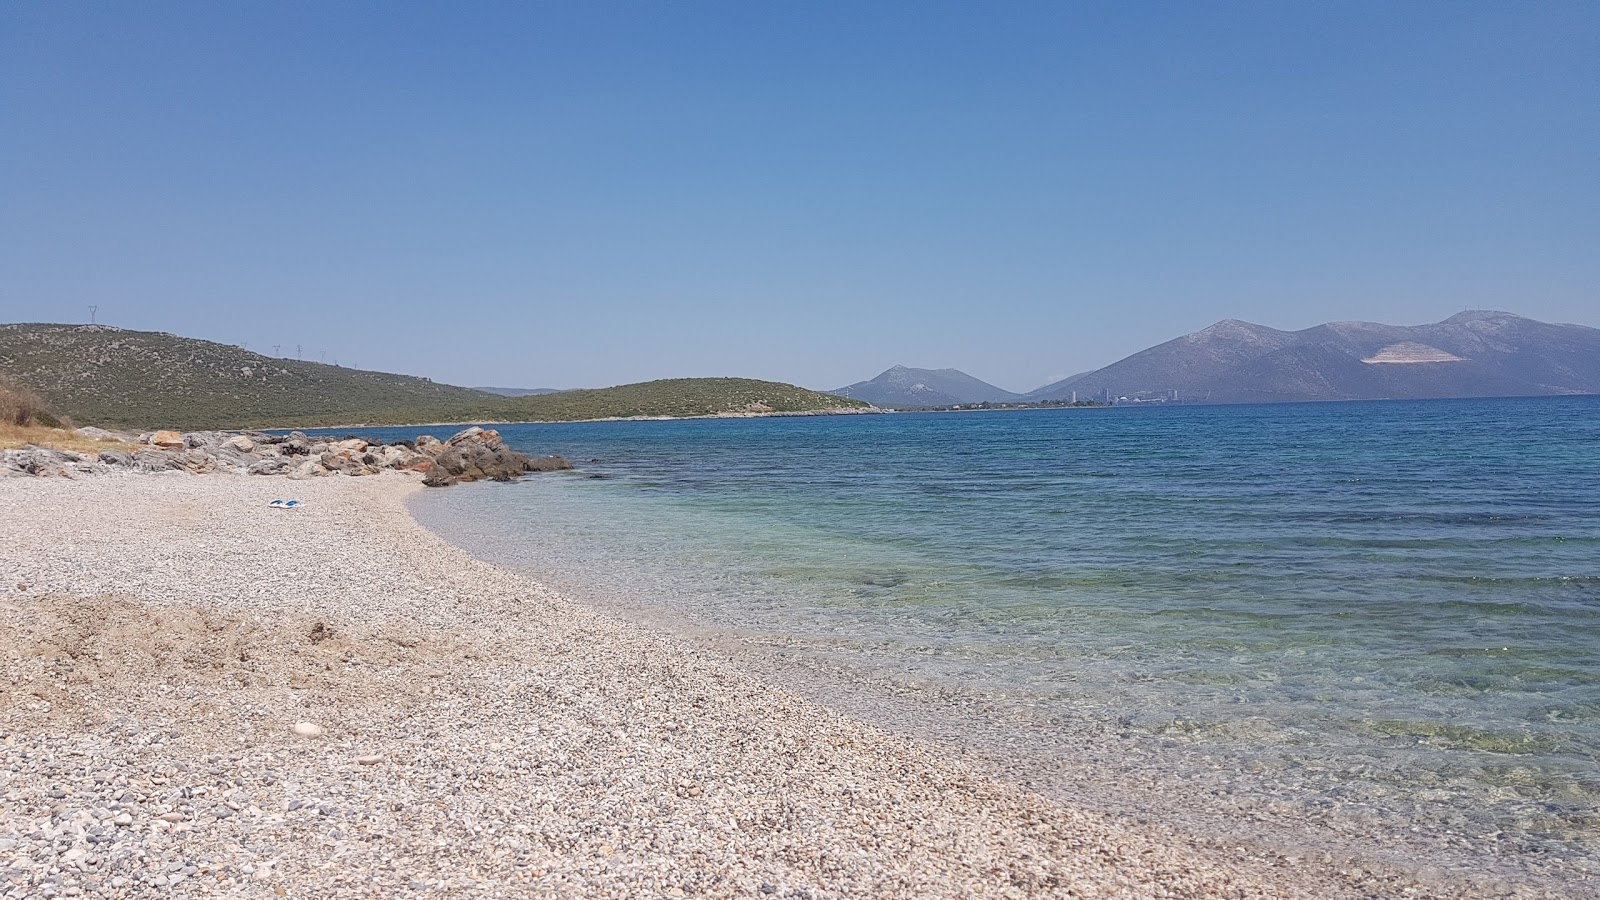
(1471, 354)
(108, 376)
(902, 387)
(518, 392)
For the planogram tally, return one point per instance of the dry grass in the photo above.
(14, 436)
(24, 420)
(23, 407)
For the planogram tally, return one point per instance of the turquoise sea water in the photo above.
(1377, 621)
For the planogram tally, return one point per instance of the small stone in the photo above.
(123, 820)
(370, 759)
(171, 817)
(307, 729)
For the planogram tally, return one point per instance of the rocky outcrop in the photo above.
(471, 455)
(477, 454)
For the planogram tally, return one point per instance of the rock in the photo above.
(120, 458)
(437, 477)
(355, 445)
(197, 461)
(476, 435)
(229, 457)
(155, 460)
(309, 468)
(420, 463)
(272, 465)
(452, 462)
(123, 820)
(430, 445)
(307, 729)
(35, 461)
(371, 759)
(339, 462)
(240, 444)
(205, 439)
(549, 464)
(166, 440)
(101, 434)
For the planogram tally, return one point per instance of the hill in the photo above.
(1471, 354)
(677, 397)
(99, 375)
(108, 376)
(901, 387)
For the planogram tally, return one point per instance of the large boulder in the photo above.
(239, 444)
(166, 440)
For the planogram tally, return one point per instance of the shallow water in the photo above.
(1377, 621)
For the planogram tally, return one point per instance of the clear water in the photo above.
(1364, 627)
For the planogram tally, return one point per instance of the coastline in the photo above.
(482, 734)
(798, 414)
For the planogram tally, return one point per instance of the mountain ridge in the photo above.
(1475, 353)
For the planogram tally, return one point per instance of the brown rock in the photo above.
(167, 440)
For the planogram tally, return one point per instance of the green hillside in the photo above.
(675, 397)
(100, 375)
(142, 379)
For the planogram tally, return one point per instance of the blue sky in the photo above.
(593, 193)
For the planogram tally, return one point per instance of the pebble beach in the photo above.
(203, 696)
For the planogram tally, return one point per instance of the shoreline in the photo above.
(481, 735)
(1252, 793)
(798, 414)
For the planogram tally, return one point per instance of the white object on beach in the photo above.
(285, 504)
(307, 729)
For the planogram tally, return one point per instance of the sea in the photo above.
(1365, 630)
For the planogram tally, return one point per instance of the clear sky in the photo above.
(588, 193)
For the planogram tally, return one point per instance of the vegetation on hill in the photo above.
(676, 397)
(135, 379)
(107, 376)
